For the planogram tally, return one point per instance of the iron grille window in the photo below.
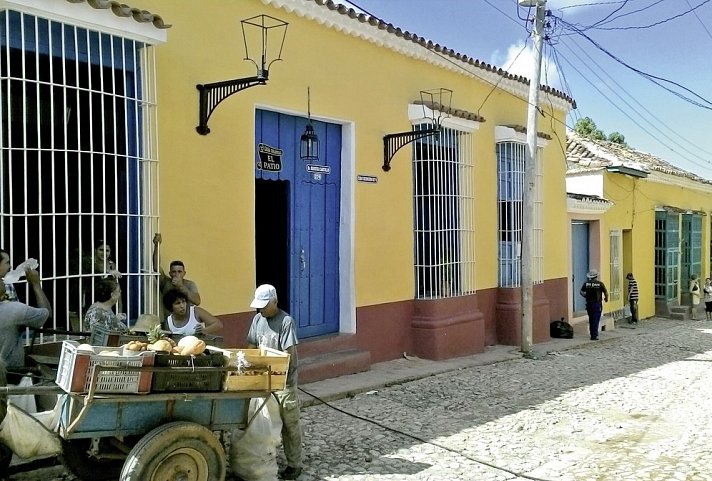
(78, 163)
(443, 214)
(615, 267)
(511, 159)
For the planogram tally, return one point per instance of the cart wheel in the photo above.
(77, 460)
(178, 451)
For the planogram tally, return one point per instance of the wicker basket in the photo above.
(76, 369)
(199, 380)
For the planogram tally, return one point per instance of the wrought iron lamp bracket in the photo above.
(213, 93)
(393, 142)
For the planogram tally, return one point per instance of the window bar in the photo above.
(65, 127)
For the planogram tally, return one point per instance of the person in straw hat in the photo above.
(595, 292)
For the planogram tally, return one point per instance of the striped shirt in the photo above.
(632, 290)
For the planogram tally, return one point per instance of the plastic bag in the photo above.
(27, 436)
(18, 272)
(253, 452)
(26, 402)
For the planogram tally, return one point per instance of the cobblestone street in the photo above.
(627, 408)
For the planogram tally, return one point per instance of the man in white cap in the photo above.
(594, 290)
(272, 327)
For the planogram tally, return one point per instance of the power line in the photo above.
(594, 4)
(627, 13)
(630, 118)
(643, 117)
(653, 78)
(699, 19)
(639, 27)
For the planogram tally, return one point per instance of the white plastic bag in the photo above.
(18, 272)
(26, 402)
(253, 453)
(27, 436)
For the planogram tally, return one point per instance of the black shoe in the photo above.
(594, 339)
(290, 473)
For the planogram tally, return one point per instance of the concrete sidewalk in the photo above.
(411, 368)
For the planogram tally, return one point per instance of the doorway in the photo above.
(272, 235)
(297, 212)
(579, 262)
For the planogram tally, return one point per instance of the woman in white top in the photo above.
(186, 319)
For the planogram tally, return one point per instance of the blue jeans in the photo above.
(594, 310)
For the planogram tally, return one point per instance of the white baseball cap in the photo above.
(263, 294)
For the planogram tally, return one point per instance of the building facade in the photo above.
(649, 218)
(101, 105)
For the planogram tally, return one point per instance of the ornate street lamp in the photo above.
(432, 100)
(263, 37)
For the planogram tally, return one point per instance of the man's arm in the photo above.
(605, 292)
(190, 290)
(157, 239)
(212, 323)
(33, 277)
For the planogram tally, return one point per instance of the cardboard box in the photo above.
(266, 370)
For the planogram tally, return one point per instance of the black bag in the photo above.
(561, 330)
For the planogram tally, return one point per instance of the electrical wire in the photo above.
(699, 19)
(594, 4)
(424, 441)
(626, 14)
(496, 84)
(574, 31)
(620, 7)
(659, 81)
(628, 116)
(640, 27)
(592, 61)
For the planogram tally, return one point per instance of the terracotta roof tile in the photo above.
(583, 154)
(350, 12)
(523, 130)
(123, 10)
(463, 114)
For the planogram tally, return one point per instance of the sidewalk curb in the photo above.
(408, 369)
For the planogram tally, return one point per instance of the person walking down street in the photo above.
(708, 298)
(632, 298)
(272, 327)
(595, 292)
(695, 295)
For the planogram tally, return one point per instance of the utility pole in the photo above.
(528, 211)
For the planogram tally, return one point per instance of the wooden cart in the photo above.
(177, 436)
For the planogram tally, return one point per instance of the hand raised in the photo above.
(33, 277)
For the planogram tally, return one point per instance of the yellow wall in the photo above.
(207, 187)
(635, 202)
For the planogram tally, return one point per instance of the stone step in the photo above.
(316, 367)
(680, 313)
(315, 346)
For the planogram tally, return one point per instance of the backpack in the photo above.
(561, 330)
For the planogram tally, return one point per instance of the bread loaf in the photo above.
(192, 348)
